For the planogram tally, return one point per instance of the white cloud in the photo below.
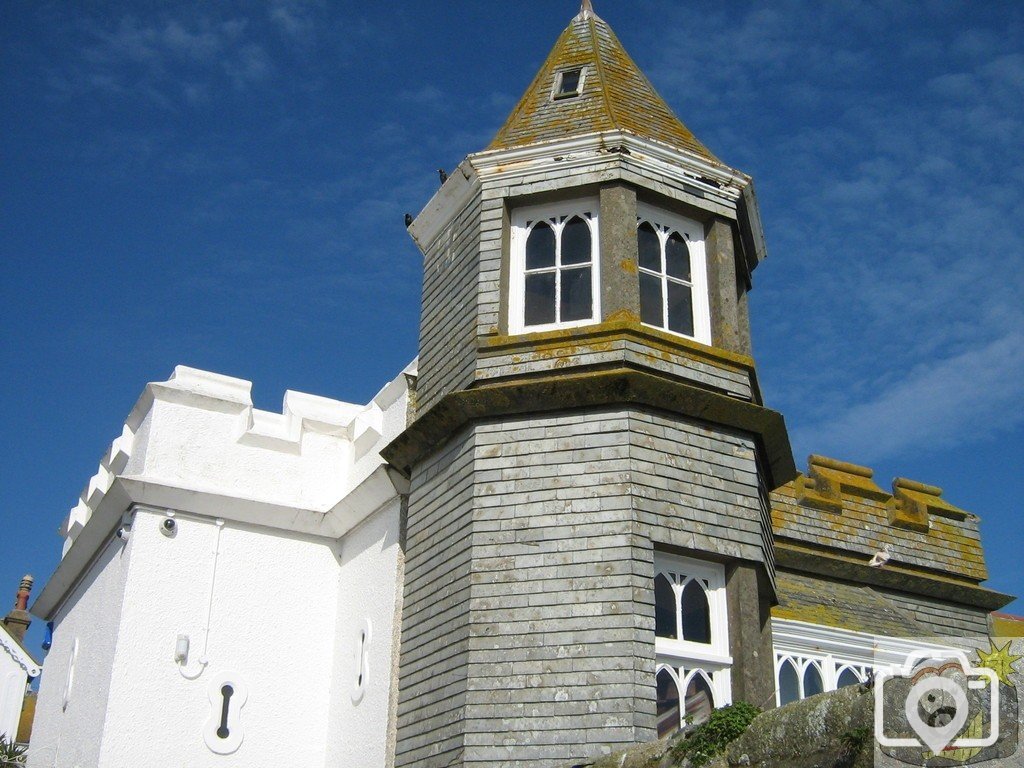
(168, 60)
(942, 403)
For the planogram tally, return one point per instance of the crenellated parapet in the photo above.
(836, 506)
(200, 431)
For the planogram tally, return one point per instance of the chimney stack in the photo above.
(18, 619)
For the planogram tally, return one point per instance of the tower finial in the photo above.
(586, 9)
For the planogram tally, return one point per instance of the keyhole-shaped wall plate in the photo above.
(223, 730)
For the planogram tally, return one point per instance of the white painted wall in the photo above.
(70, 736)
(368, 592)
(272, 623)
(285, 596)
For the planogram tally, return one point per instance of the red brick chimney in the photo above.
(17, 620)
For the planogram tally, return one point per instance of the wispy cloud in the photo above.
(898, 152)
(168, 60)
(937, 404)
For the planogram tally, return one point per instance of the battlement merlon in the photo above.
(835, 517)
(195, 444)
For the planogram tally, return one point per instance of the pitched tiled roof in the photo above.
(839, 604)
(616, 95)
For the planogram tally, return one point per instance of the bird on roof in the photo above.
(881, 558)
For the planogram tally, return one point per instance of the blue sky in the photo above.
(222, 185)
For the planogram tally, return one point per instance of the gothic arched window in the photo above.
(554, 267)
(789, 683)
(669, 716)
(691, 640)
(813, 684)
(699, 699)
(673, 282)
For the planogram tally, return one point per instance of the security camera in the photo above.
(169, 527)
(122, 533)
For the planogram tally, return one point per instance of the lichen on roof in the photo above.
(835, 603)
(836, 506)
(616, 95)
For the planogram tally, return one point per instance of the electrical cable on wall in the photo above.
(203, 659)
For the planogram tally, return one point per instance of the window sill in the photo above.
(519, 331)
(691, 651)
(695, 339)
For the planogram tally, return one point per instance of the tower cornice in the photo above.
(626, 387)
(613, 155)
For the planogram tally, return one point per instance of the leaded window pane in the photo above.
(847, 678)
(576, 297)
(540, 299)
(677, 257)
(680, 308)
(696, 613)
(651, 301)
(576, 241)
(668, 704)
(540, 247)
(664, 608)
(699, 700)
(789, 683)
(648, 247)
(813, 684)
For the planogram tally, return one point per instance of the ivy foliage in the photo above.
(708, 740)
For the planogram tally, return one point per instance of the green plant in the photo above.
(709, 739)
(11, 754)
(853, 742)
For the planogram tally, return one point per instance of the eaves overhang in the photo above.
(129, 493)
(608, 155)
(19, 653)
(895, 576)
(616, 387)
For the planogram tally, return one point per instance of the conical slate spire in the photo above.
(615, 94)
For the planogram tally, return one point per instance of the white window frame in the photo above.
(556, 86)
(523, 220)
(684, 659)
(832, 650)
(665, 223)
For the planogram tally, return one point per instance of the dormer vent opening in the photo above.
(569, 83)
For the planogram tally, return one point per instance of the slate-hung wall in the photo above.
(943, 618)
(448, 321)
(561, 612)
(435, 619)
(529, 622)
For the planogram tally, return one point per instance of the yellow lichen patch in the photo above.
(615, 96)
(628, 266)
(1005, 625)
(621, 326)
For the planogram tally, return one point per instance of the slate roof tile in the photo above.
(616, 95)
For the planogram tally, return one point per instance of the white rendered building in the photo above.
(573, 527)
(227, 594)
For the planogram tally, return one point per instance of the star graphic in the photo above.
(1000, 661)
